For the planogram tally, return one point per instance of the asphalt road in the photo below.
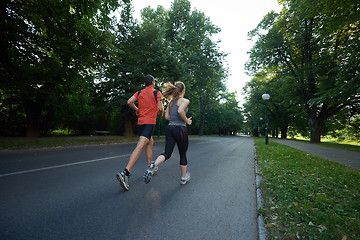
(72, 193)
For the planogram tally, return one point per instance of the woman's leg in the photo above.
(159, 160)
(169, 146)
(183, 169)
(182, 143)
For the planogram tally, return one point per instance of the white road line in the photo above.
(60, 166)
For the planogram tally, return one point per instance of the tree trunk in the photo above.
(33, 110)
(315, 125)
(128, 128)
(283, 131)
(314, 121)
(201, 126)
(275, 133)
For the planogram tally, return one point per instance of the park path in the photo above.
(345, 157)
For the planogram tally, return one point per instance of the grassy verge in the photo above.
(61, 141)
(43, 142)
(307, 197)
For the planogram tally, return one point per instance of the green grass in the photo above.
(44, 142)
(63, 141)
(307, 197)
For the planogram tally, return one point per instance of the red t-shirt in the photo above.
(147, 105)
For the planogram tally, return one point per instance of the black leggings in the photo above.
(178, 135)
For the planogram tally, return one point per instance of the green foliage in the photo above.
(77, 67)
(11, 114)
(307, 197)
(172, 45)
(283, 112)
(62, 132)
(313, 49)
(344, 125)
(201, 63)
(224, 117)
(49, 48)
(117, 123)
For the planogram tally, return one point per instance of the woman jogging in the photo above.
(175, 132)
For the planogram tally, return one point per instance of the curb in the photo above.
(260, 218)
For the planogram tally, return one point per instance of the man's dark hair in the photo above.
(148, 80)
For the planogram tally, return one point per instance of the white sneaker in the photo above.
(123, 179)
(150, 172)
(186, 179)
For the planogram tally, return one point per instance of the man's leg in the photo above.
(123, 177)
(143, 141)
(149, 150)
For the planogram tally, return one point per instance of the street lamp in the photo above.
(266, 97)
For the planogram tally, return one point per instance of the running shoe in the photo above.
(152, 168)
(186, 179)
(123, 179)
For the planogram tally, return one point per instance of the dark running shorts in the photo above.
(147, 130)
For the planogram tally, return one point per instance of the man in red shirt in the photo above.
(149, 104)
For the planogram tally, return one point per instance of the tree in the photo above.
(67, 64)
(144, 51)
(314, 46)
(283, 111)
(201, 61)
(173, 45)
(49, 49)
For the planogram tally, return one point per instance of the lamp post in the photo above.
(266, 97)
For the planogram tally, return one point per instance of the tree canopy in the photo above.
(311, 47)
(70, 65)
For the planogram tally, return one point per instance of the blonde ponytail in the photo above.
(173, 91)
